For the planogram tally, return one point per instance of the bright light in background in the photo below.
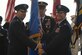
(69, 3)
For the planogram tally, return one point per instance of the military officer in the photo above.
(18, 37)
(47, 22)
(59, 45)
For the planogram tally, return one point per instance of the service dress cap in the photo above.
(62, 8)
(42, 4)
(21, 6)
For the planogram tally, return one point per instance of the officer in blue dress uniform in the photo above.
(61, 36)
(18, 37)
(47, 22)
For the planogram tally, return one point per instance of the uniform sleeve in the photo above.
(20, 32)
(61, 39)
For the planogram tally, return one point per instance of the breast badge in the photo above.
(57, 30)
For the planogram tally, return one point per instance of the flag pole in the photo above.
(35, 27)
(77, 27)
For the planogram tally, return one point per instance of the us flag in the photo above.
(10, 12)
(55, 3)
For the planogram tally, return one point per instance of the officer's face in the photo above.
(22, 14)
(42, 11)
(60, 15)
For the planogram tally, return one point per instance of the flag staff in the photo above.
(77, 27)
(35, 26)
